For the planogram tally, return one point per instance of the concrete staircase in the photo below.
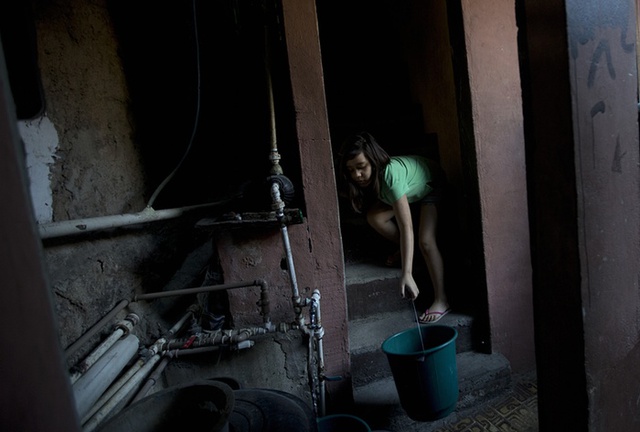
(376, 312)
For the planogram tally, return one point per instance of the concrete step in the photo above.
(376, 312)
(373, 288)
(366, 335)
(481, 377)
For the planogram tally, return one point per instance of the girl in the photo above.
(383, 187)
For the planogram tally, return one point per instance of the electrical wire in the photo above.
(197, 114)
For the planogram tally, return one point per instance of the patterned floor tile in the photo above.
(515, 412)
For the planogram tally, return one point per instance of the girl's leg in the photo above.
(433, 259)
(380, 217)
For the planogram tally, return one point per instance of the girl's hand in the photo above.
(408, 287)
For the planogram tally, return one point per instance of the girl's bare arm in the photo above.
(402, 212)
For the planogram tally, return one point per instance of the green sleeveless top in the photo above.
(406, 175)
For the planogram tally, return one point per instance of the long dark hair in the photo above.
(363, 142)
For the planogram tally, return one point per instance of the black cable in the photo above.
(197, 116)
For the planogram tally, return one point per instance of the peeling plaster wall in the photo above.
(93, 166)
(97, 170)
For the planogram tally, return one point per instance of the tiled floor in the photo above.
(516, 411)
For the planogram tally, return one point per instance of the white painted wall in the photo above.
(41, 143)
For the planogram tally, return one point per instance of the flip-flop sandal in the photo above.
(438, 315)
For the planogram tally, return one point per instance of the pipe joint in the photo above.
(245, 344)
(269, 327)
(155, 349)
(284, 327)
(277, 203)
(127, 324)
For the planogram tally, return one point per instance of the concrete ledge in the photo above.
(481, 377)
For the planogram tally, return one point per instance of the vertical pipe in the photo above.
(278, 206)
(274, 156)
(319, 334)
(315, 331)
(265, 306)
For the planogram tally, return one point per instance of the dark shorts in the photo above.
(437, 184)
(433, 197)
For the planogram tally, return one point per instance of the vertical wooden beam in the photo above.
(494, 82)
(585, 184)
(35, 393)
(325, 243)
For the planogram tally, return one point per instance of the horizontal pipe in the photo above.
(220, 337)
(198, 290)
(190, 351)
(80, 226)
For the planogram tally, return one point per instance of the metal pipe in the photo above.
(285, 239)
(123, 328)
(265, 305)
(220, 337)
(278, 206)
(318, 334)
(79, 226)
(274, 156)
(190, 351)
(177, 326)
(151, 381)
(315, 332)
(295, 292)
(152, 296)
(71, 350)
(153, 378)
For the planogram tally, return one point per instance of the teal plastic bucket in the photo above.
(425, 373)
(342, 423)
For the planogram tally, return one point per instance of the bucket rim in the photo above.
(420, 352)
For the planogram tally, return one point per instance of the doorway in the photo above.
(391, 68)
